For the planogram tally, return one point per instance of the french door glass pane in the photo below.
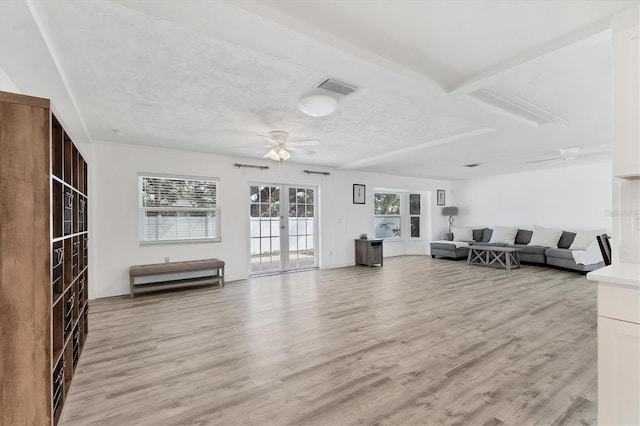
(264, 210)
(302, 225)
(268, 238)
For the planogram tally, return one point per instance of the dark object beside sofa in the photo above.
(560, 256)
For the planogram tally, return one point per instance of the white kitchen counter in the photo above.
(626, 274)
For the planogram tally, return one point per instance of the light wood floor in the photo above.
(419, 341)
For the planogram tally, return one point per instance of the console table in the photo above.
(368, 252)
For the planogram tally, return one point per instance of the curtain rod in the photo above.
(251, 166)
(309, 172)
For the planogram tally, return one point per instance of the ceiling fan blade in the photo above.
(593, 154)
(305, 142)
(300, 150)
(250, 146)
(270, 139)
(541, 161)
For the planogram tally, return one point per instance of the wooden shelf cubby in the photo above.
(45, 275)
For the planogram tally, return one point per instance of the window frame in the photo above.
(142, 210)
(411, 215)
(399, 215)
(404, 214)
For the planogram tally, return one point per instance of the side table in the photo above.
(368, 252)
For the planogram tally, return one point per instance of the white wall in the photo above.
(7, 84)
(114, 210)
(570, 198)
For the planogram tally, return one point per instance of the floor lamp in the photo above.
(451, 212)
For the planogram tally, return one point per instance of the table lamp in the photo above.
(451, 212)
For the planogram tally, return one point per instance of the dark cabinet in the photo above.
(368, 252)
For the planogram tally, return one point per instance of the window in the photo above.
(414, 215)
(387, 219)
(394, 211)
(178, 209)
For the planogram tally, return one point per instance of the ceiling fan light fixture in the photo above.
(318, 105)
(278, 153)
(273, 154)
(283, 154)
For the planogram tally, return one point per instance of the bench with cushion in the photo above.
(216, 266)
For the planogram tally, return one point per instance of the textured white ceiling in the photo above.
(447, 40)
(208, 76)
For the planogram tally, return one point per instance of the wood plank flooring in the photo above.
(419, 341)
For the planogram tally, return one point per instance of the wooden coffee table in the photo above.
(501, 257)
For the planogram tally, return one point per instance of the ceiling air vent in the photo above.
(337, 86)
(472, 165)
(518, 107)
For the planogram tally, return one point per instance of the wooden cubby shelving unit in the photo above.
(43, 260)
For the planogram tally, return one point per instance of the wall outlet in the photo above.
(166, 260)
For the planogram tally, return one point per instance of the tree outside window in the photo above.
(387, 215)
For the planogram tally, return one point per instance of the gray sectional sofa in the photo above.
(560, 256)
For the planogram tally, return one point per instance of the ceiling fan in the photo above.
(280, 146)
(568, 154)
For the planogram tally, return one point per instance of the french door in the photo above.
(283, 227)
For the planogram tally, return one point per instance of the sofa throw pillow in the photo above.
(523, 236)
(462, 233)
(545, 237)
(503, 235)
(566, 239)
(584, 238)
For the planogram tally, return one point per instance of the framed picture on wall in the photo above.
(359, 192)
(440, 197)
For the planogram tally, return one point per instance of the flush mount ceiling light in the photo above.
(318, 105)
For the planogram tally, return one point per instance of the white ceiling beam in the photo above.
(381, 158)
(492, 74)
(58, 65)
(264, 10)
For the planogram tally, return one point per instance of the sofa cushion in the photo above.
(504, 234)
(566, 239)
(462, 233)
(523, 236)
(584, 238)
(489, 244)
(486, 235)
(444, 245)
(557, 252)
(477, 234)
(571, 264)
(524, 248)
(546, 237)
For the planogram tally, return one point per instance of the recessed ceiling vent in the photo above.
(337, 86)
(472, 165)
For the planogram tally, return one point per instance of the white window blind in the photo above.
(178, 209)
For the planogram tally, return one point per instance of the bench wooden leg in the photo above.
(131, 293)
